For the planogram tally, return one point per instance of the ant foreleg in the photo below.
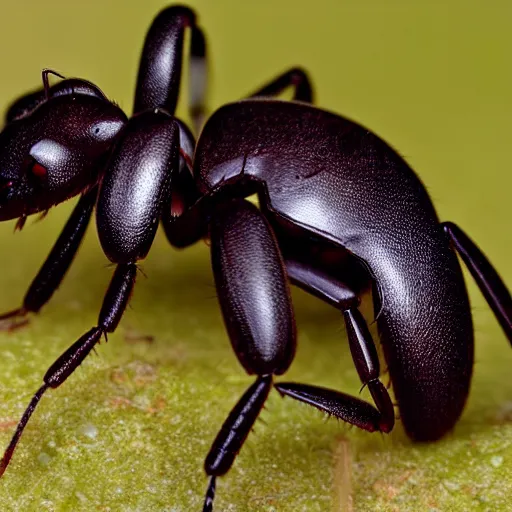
(114, 304)
(56, 265)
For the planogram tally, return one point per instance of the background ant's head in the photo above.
(55, 152)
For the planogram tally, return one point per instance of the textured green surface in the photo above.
(130, 429)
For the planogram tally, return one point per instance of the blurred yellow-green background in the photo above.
(130, 429)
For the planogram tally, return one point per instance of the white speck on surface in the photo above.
(81, 496)
(89, 430)
(44, 458)
(505, 412)
(176, 420)
(451, 486)
(142, 402)
(497, 461)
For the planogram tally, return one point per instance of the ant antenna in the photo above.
(46, 84)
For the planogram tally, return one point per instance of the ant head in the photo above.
(55, 152)
(27, 103)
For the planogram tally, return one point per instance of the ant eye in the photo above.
(38, 170)
(34, 169)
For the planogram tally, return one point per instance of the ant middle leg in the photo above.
(251, 279)
(255, 301)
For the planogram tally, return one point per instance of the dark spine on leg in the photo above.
(236, 428)
(117, 296)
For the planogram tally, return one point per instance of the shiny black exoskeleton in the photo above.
(340, 213)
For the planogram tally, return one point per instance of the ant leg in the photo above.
(184, 193)
(233, 433)
(255, 301)
(57, 263)
(159, 77)
(364, 355)
(114, 304)
(191, 225)
(490, 283)
(198, 79)
(188, 224)
(294, 77)
(134, 189)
